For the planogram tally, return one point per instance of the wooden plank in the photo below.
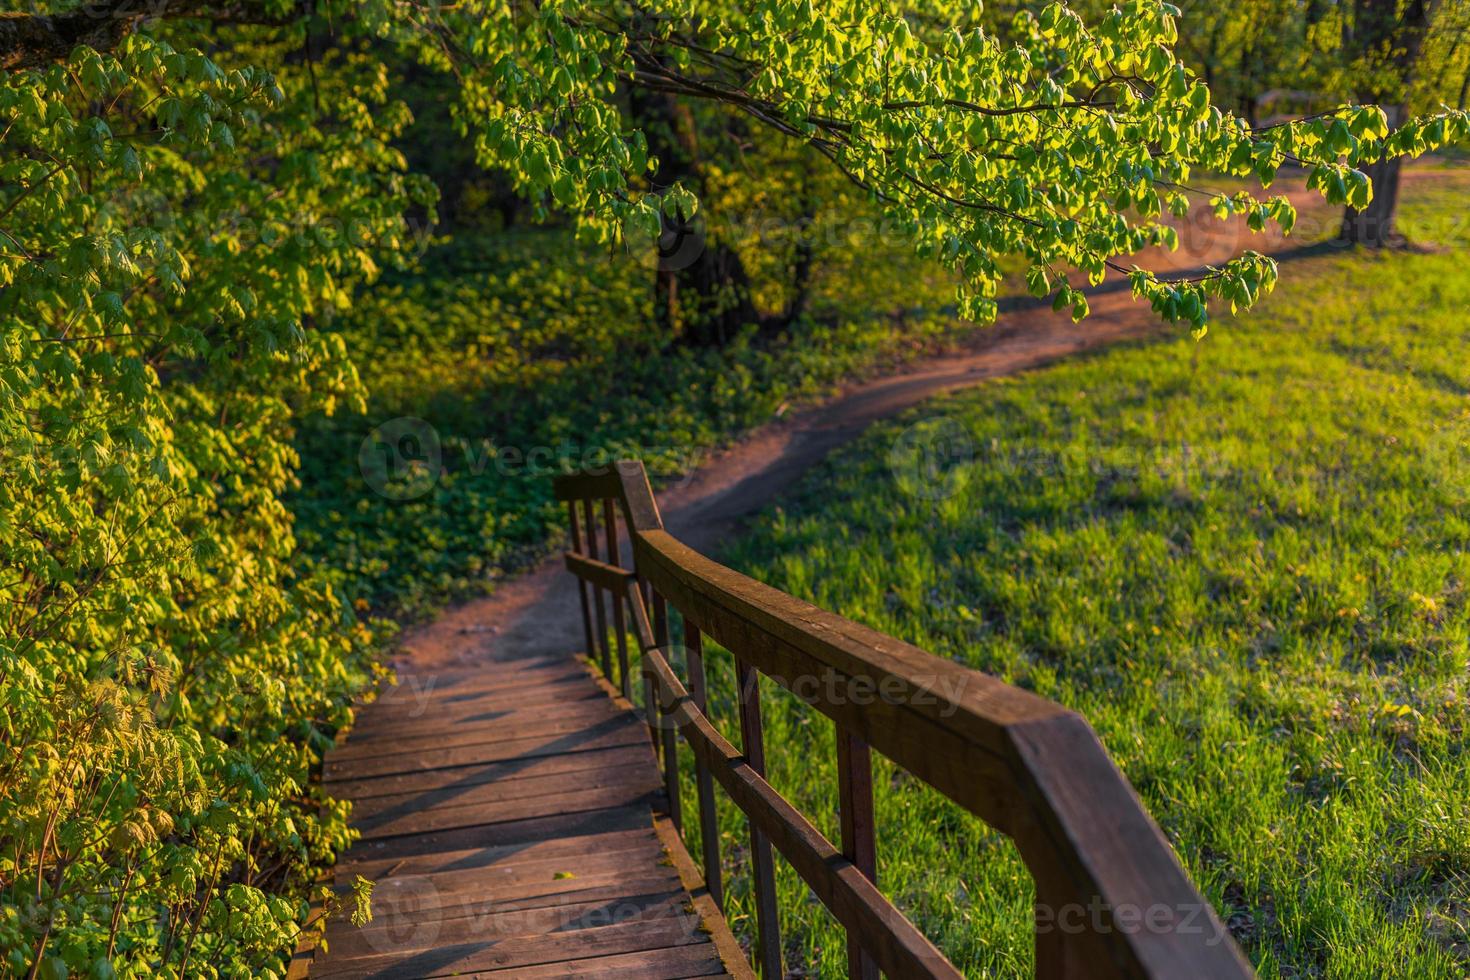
(514, 710)
(465, 702)
(448, 817)
(489, 836)
(454, 858)
(520, 786)
(525, 885)
(595, 572)
(518, 952)
(621, 732)
(674, 963)
(481, 919)
(573, 695)
(457, 679)
(451, 690)
(557, 718)
(549, 724)
(428, 780)
(494, 802)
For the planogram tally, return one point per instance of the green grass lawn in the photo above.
(1244, 561)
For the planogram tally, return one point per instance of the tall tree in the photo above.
(1388, 37)
(701, 288)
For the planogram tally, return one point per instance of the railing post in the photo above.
(709, 817)
(855, 799)
(768, 926)
(591, 518)
(669, 736)
(1056, 953)
(1065, 926)
(660, 620)
(581, 585)
(620, 626)
(671, 762)
(633, 595)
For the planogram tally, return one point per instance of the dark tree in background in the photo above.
(1388, 37)
(701, 288)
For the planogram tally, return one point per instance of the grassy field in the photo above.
(1244, 561)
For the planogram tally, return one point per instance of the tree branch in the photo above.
(37, 40)
(34, 40)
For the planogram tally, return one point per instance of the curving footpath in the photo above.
(508, 800)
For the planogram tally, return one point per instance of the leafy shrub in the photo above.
(168, 676)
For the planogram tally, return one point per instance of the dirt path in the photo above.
(536, 613)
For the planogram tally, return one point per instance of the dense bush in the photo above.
(173, 223)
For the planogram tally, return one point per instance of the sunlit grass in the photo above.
(1244, 561)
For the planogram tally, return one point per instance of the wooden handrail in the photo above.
(1111, 898)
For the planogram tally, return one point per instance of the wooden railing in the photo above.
(1111, 899)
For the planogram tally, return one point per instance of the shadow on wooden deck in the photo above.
(511, 817)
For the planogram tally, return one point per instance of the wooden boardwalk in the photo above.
(514, 817)
(511, 819)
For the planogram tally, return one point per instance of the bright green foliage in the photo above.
(1065, 146)
(176, 226)
(1267, 58)
(1244, 562)
(1445, 76)
(170, 224)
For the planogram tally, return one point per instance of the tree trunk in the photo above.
(701, 288)
(1400, 29)
(1376, 225)
(803, 255)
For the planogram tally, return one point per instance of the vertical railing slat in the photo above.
(590, 516)
(620, 624)
(768, 926)
(581, 585)
(660, 620)
(855, 800)
(669, 735)
(704, 783)
(671, 766)
(652, 696)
